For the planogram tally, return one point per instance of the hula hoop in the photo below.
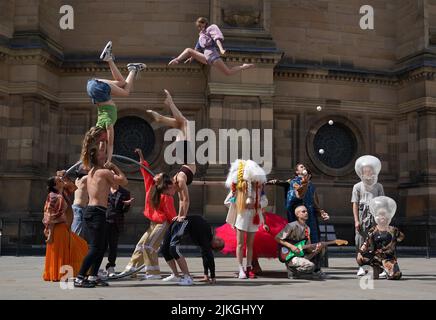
(116, 156)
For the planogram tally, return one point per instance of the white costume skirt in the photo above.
(244, 221)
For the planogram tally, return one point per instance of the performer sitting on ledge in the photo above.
(378, 250)
(206, 50)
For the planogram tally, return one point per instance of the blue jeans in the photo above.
(77, 226)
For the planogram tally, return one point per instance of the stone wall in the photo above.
(379, 83)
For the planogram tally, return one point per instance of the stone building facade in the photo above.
(377, 85)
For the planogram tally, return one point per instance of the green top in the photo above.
(106, 116)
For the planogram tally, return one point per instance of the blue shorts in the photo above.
(98, 91)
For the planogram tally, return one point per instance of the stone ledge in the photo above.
(240, 89)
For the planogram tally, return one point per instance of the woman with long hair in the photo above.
(159, 209)
(246, 201)
(64, 248)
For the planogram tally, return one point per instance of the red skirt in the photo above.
(265, 246)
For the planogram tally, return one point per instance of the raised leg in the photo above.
(187, 53)
(118, 91)
(116, 73)
(167, 121)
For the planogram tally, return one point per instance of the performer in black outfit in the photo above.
(119, 202)
(201, 234)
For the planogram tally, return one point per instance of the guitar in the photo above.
(285, 254)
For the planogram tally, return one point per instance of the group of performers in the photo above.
(83, 216)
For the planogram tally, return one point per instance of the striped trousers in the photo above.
(147, 249)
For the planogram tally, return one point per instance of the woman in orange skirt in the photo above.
(64, 248)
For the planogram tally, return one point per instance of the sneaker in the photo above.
(152, 277)
(171, 278)
(242, 274)
(186, 281)
(128, 270)
(361, 272)
(383, 275)
(250, 273)
(106, 55)
(137, 67)
(110, 272)
(83, 283)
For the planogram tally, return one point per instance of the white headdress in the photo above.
(383, 206)
(368, 161)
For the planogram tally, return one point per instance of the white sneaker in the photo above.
(128, 269)
(110, 272)
(361, 272)
(106, 54)
(171, 278)
(137, 67)
(383, 275)
(242, 274)
(152, 277)
(186, 281)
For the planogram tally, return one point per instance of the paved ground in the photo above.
(20, 278)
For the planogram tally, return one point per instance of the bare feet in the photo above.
(247, 66)
(156, 116)
(174, 61)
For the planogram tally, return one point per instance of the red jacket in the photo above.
(166, 210)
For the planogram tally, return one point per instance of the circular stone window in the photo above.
(338, 143)
(133, 132)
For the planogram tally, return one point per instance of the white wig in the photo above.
(383, 206)
(252, 172)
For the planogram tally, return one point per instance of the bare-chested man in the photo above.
(80, 203)
(99, 181)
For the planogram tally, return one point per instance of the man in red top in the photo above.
(146, 251)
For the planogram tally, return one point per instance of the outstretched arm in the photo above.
(110, 142)
(281, 183)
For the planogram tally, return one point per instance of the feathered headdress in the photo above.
(241, 176)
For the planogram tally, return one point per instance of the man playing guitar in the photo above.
(294, 232)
